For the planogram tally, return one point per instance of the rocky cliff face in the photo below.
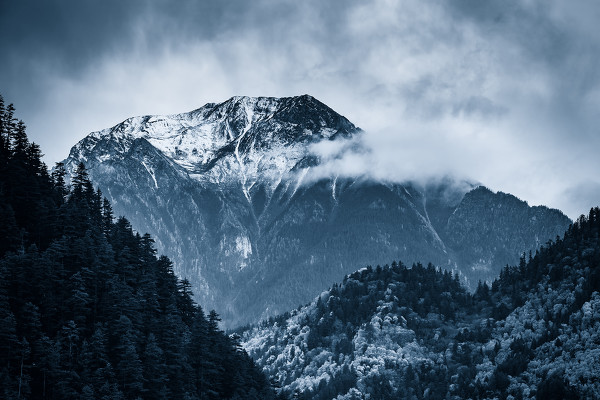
(227, 192)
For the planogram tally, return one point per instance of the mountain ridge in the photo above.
(198, 139)
(254, 233)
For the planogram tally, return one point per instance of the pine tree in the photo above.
(154, 371)
(9, 344)
(197, 350)
(9, 231)
(58, 181)
(107, 217)
(128, 363)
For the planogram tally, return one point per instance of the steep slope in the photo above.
(227, 190)
(398, 332)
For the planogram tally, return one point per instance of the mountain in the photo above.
(416, 333)
(229, 193)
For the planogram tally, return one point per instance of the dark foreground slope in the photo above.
(87, 310)
(415, 333)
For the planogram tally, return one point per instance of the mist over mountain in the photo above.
(241, 195)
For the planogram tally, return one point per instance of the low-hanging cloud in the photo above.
(503, 92)
(421, 152)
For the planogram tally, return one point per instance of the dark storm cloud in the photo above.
(67, 36)
(503, 92)
(63, 35)
(80, 30)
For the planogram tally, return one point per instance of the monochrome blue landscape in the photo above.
(299, 200)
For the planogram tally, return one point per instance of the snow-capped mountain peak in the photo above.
(242, 138)
(227, 192)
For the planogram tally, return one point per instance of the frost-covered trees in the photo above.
(398, 332)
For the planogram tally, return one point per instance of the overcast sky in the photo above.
(506, 93)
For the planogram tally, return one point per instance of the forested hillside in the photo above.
(87, 309)
(397, 332)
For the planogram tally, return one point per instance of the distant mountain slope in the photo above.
(489, 229)
(413, 333)
(228, 193)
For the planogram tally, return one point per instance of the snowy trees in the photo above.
(398, 332)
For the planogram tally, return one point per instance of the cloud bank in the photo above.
(501, 92)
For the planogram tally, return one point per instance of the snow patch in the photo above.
(243, 246)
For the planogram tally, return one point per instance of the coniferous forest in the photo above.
(87, 308)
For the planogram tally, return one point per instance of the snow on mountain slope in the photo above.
(241, 140)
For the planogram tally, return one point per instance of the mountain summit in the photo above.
(243, 138)
(227, 193)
